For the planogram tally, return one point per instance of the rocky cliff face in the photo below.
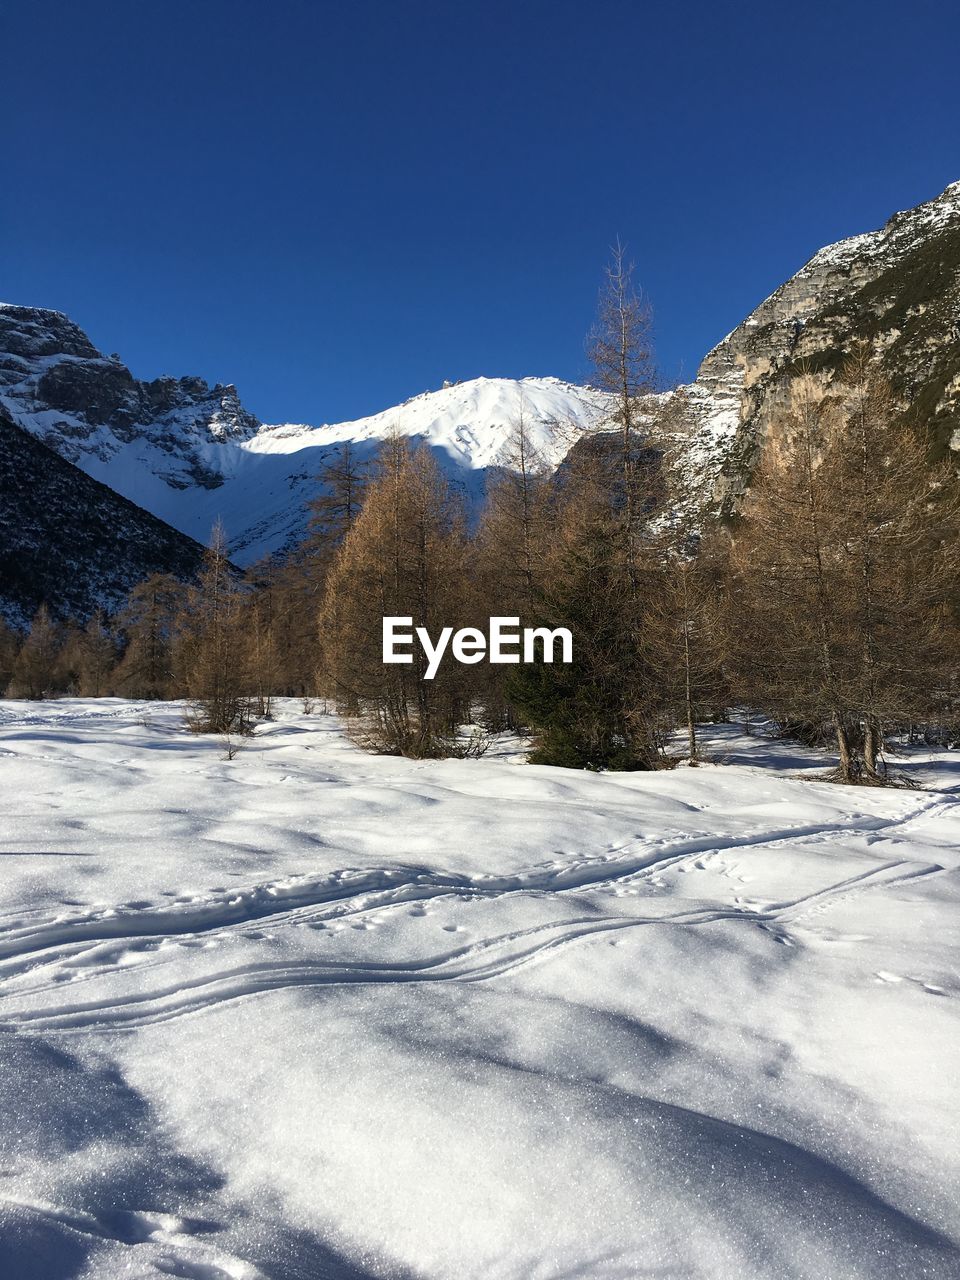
(56, 385)
(898, 288)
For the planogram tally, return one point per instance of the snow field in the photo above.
(314, 1013)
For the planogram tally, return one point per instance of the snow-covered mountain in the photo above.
(897, 287)
(191, 454)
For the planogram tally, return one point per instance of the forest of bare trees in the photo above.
(829, 603)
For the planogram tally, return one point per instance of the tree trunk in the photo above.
(872, 746)
(848, 770)
(688, 687)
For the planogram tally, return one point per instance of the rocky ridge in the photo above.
(897, 288)
(82, 404)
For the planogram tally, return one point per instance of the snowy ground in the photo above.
(311, 1013)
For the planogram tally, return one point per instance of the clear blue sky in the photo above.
(336, 206)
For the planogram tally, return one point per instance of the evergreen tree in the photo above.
(594, 713)
(599, 576)
(404, 558)
(36, 672)
(9, 648)
(844, 570)
(211, 649)
(147, 625)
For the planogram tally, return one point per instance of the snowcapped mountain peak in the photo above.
(32, 333)
(191, 454)
(472, 423)
(895, 238)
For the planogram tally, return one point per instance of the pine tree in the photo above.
(588, 714)
(844, 570)
(9, 648)
(36, 670)
(599, 577)
(147, 624)
(621, 350)
(403, 558)
(211, 647)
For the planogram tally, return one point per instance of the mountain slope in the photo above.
(265, 480)
(898, 288)
(70, 542)
(191, 454)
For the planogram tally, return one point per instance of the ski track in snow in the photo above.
(353, 893)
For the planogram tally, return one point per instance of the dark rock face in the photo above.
(101, 392)
(70, 542)
(897, 288)
(30, 332)
(56, 385)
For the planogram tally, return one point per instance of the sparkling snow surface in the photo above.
(312, 1013)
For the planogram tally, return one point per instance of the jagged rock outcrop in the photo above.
(897, 288)
(55, 384)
